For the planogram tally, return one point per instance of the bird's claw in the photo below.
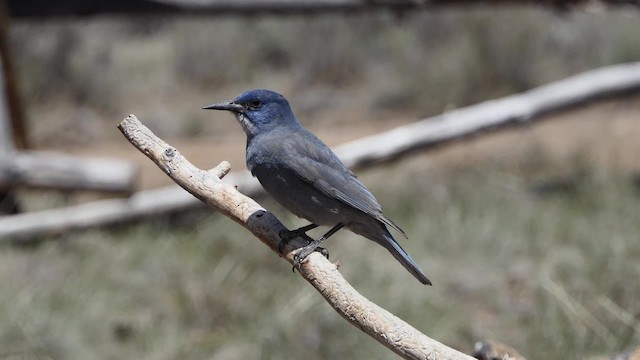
(323, 251)
(312, 245)
(301, 255)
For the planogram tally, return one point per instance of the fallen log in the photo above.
(50, 170)
(164, 200)
(102, 212)
(513, 110)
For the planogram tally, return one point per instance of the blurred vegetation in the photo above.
(555, 276)
(419, 62)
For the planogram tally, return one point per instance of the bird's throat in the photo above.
(249, 128)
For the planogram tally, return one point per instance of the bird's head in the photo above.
(258, 111)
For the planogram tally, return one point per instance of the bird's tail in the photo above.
(382, 236)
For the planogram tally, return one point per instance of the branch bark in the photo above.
(207, 186)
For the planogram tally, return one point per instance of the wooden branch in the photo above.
(33, 8)
(522, 108)
(63, 172)
(383, 326)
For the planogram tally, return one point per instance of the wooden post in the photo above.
(10, 83)
(12, 129)
(8, 202)
(6, 141)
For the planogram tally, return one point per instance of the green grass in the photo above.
(554, 276)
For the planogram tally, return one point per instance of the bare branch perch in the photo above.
(383, 326)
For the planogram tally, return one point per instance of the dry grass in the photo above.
(549, 275)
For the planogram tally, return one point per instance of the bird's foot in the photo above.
(302, 254)
(305, 251)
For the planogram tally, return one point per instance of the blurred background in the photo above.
(530, 235)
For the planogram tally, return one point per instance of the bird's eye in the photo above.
(254, 104)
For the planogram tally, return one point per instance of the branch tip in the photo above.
(221, 170)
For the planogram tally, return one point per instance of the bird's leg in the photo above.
(288, 235)
(302, 230)
(313, 246)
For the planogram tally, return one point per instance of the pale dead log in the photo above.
(97, 213)
(154, 202)
(45, 169)
(207, 186)
(64, 172)
(522, 108)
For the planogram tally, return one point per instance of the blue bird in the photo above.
(307, 178)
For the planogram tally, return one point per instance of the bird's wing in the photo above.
(356, 195)
(314, 162)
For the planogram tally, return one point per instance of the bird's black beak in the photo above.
(229, 106)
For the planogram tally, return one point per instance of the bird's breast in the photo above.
(299, 196)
